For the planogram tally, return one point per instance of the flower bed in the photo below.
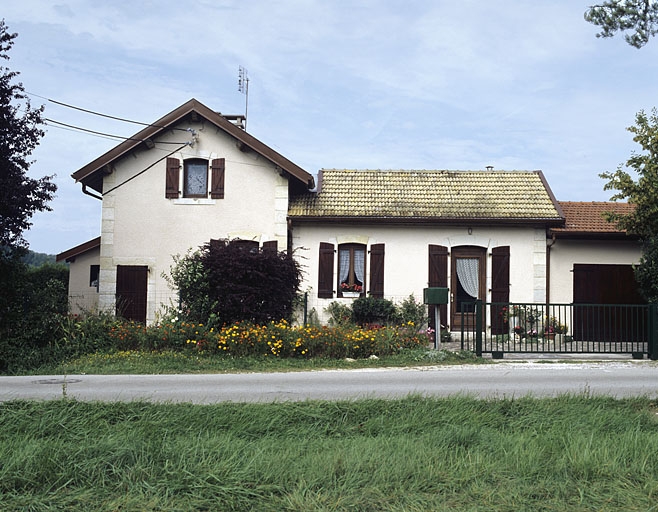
(278, 339)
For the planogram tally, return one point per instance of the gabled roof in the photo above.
(70, 254)
(432, 196)
(587, 220)
(91, 174)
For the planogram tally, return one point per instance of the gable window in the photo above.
(351, 268)
(195, 179)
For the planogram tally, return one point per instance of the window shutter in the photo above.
(438, 276)
(172, 180)
(217, 181)
(326, 271)
(377, 270)
(499, 288)
(270, 245)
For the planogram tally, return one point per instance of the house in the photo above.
(190, 176)
(196, 175)
(480, 233)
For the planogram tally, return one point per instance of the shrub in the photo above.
(411, 311)
(339, 314)
(373, 310)
(236, 281)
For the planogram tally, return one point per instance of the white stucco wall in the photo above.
(142, 227)
(565, 253)
(406, 264)
(82, 297)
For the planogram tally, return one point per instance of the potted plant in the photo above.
(554, 329)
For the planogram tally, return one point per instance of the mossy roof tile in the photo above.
(483, 195)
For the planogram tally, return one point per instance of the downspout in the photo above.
(85, 191)
(548, 270)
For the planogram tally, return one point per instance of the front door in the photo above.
(132, 283)
(468, 278)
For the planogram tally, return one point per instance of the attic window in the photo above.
(195, 178)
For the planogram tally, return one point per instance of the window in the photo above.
(195, 178)
(94, 270)
(351, 268)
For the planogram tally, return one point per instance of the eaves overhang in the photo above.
(412, 221)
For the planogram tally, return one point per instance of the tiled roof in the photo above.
(589, 217)
(429, 195)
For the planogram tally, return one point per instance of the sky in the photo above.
(394, 84)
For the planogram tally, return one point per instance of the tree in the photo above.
(646, 272)
(236, 280)
(643, 194)
(20, 195)
(640, 16)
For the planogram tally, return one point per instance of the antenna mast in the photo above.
(243, 87)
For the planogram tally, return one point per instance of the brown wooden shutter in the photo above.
(217, 181)
(270, 245)
(377, 270)
(499, 288)
(438, 276)
(326, 271)
(172, 180)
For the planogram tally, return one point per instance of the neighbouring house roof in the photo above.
(91, 175)
(70, 254)
(450, 196)
(587, 220)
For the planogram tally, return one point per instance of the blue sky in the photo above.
(395, 84)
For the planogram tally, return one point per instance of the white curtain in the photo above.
(359, 260)
(343, 265)
(468, 273)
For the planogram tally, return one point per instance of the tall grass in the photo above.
(415, 454)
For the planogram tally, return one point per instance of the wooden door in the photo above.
(595, 285)
(468, 277)
(132, 281)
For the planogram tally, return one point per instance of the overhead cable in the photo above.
(99, 113)
(102, 134)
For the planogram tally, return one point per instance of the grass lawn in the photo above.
(161, 362)
(573, 453)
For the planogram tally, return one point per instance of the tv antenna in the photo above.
(243, 87)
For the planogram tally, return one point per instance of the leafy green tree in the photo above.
(640, 189)
(20, 195)
(236, 281)
(638, 16)
(643, 192)
(646, 273)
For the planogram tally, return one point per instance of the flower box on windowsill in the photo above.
(351, 295)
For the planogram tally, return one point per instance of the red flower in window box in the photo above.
(351, 287)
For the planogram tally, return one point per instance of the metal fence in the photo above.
(498, 328)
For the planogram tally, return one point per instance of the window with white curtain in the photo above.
(351, 267)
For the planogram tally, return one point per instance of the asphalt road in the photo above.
(541, 379)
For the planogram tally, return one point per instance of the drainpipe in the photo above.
(548, 270)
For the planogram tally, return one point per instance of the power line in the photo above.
(93, 112)
(102, 134)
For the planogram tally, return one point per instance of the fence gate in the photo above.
(562, 329)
